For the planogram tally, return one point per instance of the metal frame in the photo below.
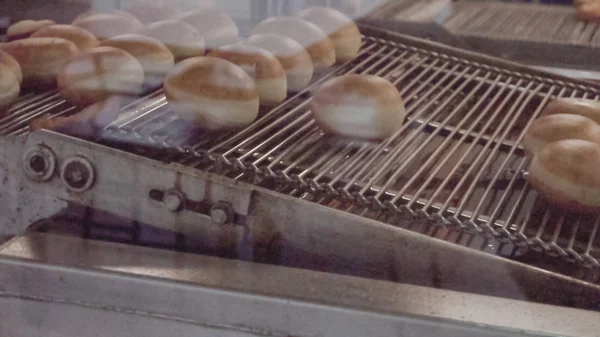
(456, 163)
(61, 282)
(475, 108)
(423, 19)
(271, 226)
(531, 33)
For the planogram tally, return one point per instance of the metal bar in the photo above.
(458, 144)
(446, 141)
(391, 158)
(368, 167)
(64, 281)
(437, 83)
(282, 131)
(273, 113)
(512, 150)
(475, 163)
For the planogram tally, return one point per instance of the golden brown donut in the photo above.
(215, 26)
(358, 106)
(41, 59)
(212, 93)
(105, 26)
(98, 73)
(93, 12)
(566, 173)
(588, 11)
(153, 55)
(83, 39)
(576, 106)
(294, 59)
(552, 128)
(312, 38)
(263, 68)
(24, 29)
(10, 63)
(149, 12)
(9, 86)
(341, 29)
(181, 38)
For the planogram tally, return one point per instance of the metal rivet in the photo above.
(77, 173)
(173, 200)
(39, 163)
(221, 213)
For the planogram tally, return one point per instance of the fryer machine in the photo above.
(74, 213)
(547, 36)
(532, 33)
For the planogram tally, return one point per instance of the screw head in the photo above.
(39, 163)
(221, 213)
(173, 200)
(77, 173)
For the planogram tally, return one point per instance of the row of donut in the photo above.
(92, 60)
(290, 45)
(565, 145)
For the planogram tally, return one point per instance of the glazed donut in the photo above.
(212, 93)
(312, 38)
(341, 29)
(576, 106)
(262, 66)
(181, 38)
(98, 73)
(566, 173)
(358, 106)
(83, 39)
(552, 128)
(24, 29)
(294, 59)
(41, 59)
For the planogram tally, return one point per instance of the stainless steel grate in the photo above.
(520, 21)
(456, 163)
(532, 33)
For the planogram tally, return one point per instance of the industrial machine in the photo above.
(549, 37)
(154, 227)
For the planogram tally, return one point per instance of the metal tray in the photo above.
(531, 33)
(456, 163)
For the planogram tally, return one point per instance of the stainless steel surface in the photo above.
(457, 162)
(532, 33)
(233, 218)
(419, 18)
(521, 21)
(129, 186)
(39, 270)
(18, 209)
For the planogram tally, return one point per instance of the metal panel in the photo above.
(457, 162)
(531, 33)
(36, 317)
(18, 209)
(273, 224)
(421, 19)
(247, 298)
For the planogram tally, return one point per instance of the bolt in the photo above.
(39, 163)
(221, 213)
(173, 200)
(77, 173)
